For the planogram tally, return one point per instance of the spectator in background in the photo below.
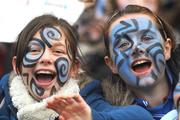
(100, 8)
(91, 44)
(170, 11)
(5, 57)
(88, 3)
(3, 53)
(113, 5)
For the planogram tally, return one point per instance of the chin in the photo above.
(146, 82)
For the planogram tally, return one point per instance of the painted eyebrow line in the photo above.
(147, 31)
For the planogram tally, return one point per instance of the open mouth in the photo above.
(141, 67)
(44, 77)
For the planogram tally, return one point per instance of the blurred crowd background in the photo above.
(89, 26)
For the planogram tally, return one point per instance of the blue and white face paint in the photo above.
(50, 33)
(136, 48)
(35, 50)
(62, 67)
(46, 64)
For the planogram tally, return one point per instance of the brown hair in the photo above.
(37, 23)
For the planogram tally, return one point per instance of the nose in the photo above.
(138, 50)
(46, 58)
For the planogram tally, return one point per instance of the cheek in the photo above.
(119, 57)
(31, 60)
(27, 69)
(27, 78)
(27, 73)
(62, 65)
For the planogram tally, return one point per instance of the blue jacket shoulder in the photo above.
(103, 110)
(7, 110)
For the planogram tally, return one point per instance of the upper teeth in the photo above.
(44, 72)
(140, 62)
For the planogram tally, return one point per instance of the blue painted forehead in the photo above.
(133, 25)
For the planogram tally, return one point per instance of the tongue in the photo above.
(142, 68)
(44, 78)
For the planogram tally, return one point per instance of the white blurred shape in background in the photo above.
(15, 14)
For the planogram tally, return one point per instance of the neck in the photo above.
(153, 94)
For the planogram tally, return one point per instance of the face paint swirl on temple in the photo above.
(137, 46)
(50, 33)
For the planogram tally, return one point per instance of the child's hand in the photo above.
(71, 107)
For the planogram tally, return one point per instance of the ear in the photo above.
(74, 70)
(167, 48)
(110, 64)
(14, 64)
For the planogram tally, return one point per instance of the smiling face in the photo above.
(137, 50)
(46, 64)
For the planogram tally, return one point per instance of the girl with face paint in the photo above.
(44, 65)
(141, 51)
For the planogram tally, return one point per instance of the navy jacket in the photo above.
(102, 110)
(7, 110)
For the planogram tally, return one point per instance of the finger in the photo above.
(78, 99)
(66, 115)
(61, 118)
(57, 105)
(61, 102)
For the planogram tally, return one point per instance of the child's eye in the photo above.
(35, 51)
(124, 44)
(146, 38)
(58, 52)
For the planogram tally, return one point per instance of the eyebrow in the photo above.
(145, 31)
(58, 44)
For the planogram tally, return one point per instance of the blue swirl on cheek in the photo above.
(156, 53)
(62, 67)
